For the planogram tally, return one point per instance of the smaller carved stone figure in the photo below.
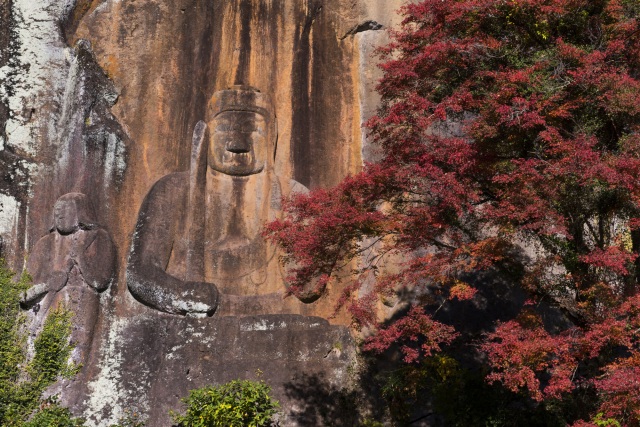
(71, 265)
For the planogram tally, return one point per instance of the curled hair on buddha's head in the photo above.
(71, 213)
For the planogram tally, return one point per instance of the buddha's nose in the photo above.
(239, 144)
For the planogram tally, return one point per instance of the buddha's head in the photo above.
(242, 131)
(70, 214)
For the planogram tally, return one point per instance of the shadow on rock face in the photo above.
(316, 401)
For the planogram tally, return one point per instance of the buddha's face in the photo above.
(65, 215)
(238, 143)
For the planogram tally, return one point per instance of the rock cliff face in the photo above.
(102, 98)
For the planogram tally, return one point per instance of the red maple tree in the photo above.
(506, 127)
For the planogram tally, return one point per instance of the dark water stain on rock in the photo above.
(300, 99)
(320, 79)
(242, 72)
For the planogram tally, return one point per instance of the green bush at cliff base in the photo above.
(51, 414)
(234, 404)
(23, 381)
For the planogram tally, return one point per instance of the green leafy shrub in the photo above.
(52, 349)
(11, 345)
(234, 404)
(51, 414)
(23, 381)
(600, 421)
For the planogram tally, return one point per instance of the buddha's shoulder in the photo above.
(173, 179)
(296, 187)
(170, 186)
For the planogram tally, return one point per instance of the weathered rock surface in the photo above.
(57, 134)
(101, 97)
(150, 362)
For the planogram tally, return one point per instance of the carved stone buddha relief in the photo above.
(71, 266)
(199, 231)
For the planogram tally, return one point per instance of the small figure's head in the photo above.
(70, 214)
(242, 131)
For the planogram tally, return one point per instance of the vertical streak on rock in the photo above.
(329, 89)
(211, 50)
(321, 84)
(199, 53)
(270, 18)
(244, 63)
(300, 102)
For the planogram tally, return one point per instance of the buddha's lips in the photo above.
(238, 158)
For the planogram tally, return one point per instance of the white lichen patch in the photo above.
(73, 90)
(114, 163)
(9, 215)
(32, 82)
(263, 325)
(192, 307)
(174, 352)
(303, 356)
(107, 392)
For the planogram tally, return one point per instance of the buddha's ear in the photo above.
(195, 210)
(199, 144)
(199, 151)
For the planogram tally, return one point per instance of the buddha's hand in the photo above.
(57, 280)
(197, 299)
(33, 293)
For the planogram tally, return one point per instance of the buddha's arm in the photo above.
(98, 260)
(33, 294)
(153, 238)
(313, 290)
(45, 275)
(40, 262)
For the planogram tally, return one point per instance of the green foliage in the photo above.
(22, 382)
(234, 404)
(52, 349)
(601, 422)
(53, 415)
(11, 344)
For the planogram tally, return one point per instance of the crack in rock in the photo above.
(362, 27)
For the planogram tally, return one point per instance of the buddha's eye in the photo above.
(248, 129)
(245, 126)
